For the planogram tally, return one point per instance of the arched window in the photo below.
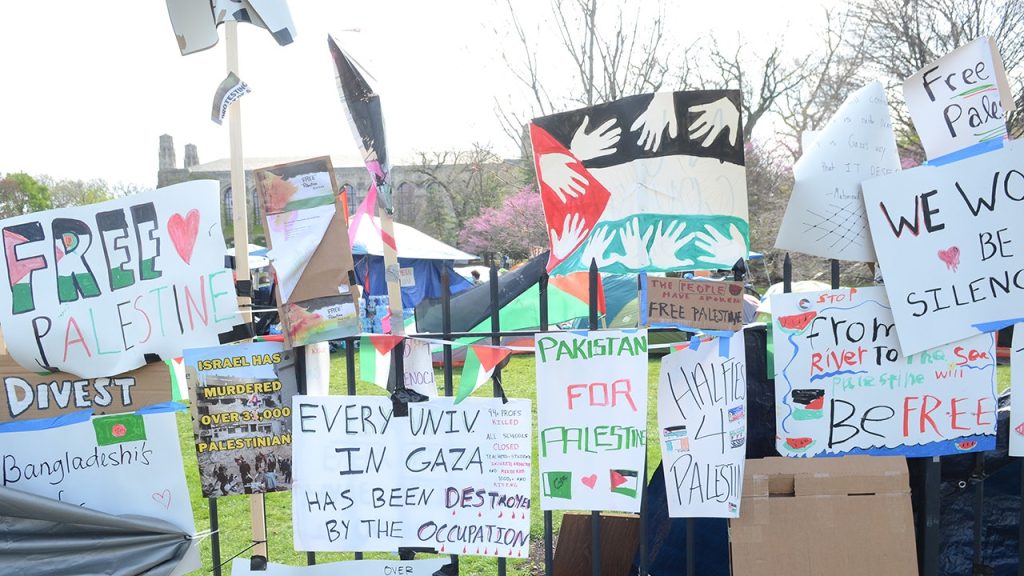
(228, 211)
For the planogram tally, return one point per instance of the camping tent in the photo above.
(421, 259)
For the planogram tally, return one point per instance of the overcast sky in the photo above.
(89, 86)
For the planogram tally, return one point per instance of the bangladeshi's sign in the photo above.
(91, 290)
(842, 386)
(242, 405)
(27, 395)
(694, 304)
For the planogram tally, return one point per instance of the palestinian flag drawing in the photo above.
(649, 182)
(624, 482)
(480, 364)
(375, 358)
(119, 428)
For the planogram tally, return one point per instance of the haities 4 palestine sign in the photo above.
(92, 290)
(455, 478)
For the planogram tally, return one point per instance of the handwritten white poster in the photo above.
(592, 419)
(419, 368)
(961, 99)
(951, 246)
(702, 419)
(825, 215)
(843, 387)
(125, 464)
(426, 567)
(91, 290)
(1017, 392)
(452, 478)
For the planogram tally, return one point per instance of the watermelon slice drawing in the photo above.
(799, 445)
(808, 403)
(796, 323)
(967, 445)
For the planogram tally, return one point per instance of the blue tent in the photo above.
(426, 257)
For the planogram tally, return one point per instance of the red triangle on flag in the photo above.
(589, 205)
(617, 479)
(489, 356)
(384, 343)
(578, 284)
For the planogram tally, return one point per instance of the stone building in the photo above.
(411, 185)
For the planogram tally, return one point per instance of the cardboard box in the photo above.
(841, 516)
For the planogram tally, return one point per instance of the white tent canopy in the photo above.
(411, 243)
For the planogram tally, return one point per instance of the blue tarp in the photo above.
(427, 274)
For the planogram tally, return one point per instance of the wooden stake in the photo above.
(240, 218)
(392, 274)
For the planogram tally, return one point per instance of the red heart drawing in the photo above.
(951, 256)
(183, 232)
(590, 481)
(163, 498)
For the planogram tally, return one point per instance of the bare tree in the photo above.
(604, 58)
(902, 36)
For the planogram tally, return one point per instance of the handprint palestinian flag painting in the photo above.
(651, 182)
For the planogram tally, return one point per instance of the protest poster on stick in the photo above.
(592, 419)
(27, 395)
(949, 242)
(241, 416)
(122, 464)
(452, 478)
(91, 290)
(702, 418)
(960, 100)
(646, 182)
(843, 387)
(692, 304)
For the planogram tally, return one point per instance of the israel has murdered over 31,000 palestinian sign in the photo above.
(702, 418)
(91, 290)
(648, 182)
(242, 406)
(950, 244)
(455, 478)
(843, 387)
(121, 464)
(592, 419)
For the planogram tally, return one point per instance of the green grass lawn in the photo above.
(234, 517)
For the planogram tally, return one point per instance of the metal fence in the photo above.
(927, 509)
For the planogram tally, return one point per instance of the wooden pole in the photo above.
(240, 218)
(392, 273)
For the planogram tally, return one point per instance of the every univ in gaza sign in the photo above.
(91, 290)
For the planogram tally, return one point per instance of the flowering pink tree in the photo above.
(512, 229)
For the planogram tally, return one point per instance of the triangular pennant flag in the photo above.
(375, 358)
(480, 364)
(578, 284)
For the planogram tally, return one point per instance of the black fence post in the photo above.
(214, 536)
(835, 273)
(549, 525)
(350, 383)
(496, 389)
(446, 363)
(932, 516)
(595, 516)
(787, 274)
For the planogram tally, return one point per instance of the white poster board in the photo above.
(418, 366)
(842, 386)
(1017, 392)
(702, 419)
(960, 99)
(143, 477)
(91, 290)
(951, 245)
(452, 478)
(825, 215)
(592, 419)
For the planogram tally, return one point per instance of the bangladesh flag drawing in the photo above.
(119, 428)
(480, 364)
(624, 482)
(375, 358)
